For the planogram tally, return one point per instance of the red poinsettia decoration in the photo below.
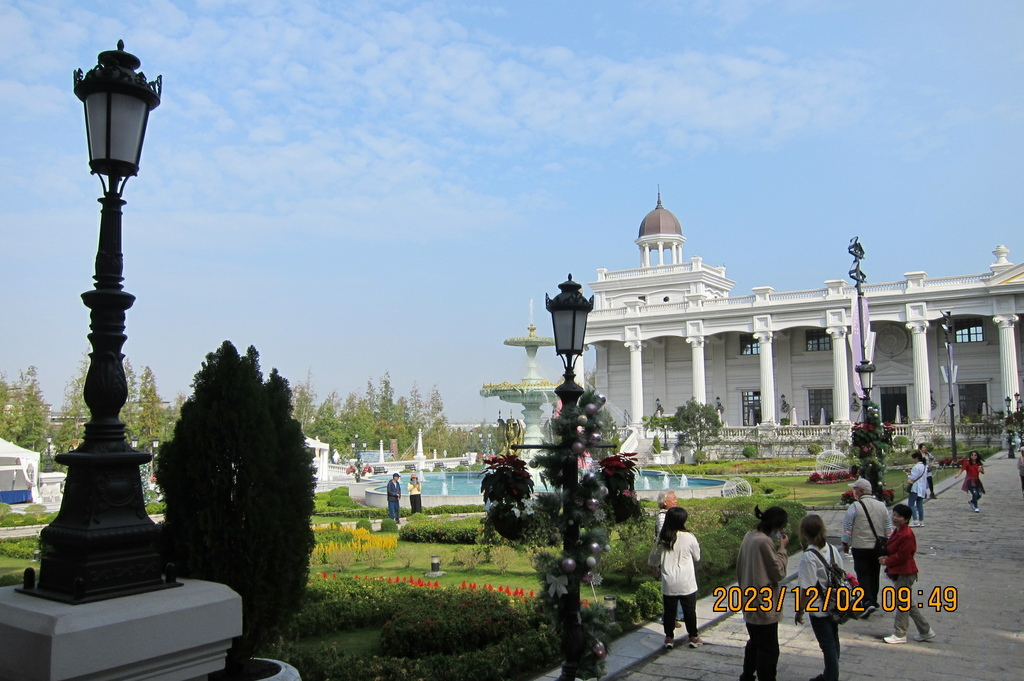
(506, 480)
(618, 472)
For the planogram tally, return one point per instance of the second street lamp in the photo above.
(569, 310)
(102, 543)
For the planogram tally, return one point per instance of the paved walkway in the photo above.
(980, 554)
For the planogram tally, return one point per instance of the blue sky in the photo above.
(360, 187)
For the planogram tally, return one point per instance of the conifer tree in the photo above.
(238, 483)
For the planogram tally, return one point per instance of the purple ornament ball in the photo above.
(591, 409)
(593, 504)
(568, 565)
(587, 577)
(602, 491)
(594, 547)
(600, 650)
(578, 448)
(601, 399)
(594, 439)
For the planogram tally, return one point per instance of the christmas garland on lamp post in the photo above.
(872, 442)
(589, 500)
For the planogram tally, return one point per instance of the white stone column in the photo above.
(697, 354)
(636, 381)
(922, 382)
(1007, 355)
(764, 339)
(840, 374)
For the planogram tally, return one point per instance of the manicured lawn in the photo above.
(811, 494)
(15, 566)
(519, 575)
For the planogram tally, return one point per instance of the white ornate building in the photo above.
(669, 330)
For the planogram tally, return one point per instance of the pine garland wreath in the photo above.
(577, 430)
(872, 443)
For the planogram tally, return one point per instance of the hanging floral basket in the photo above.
(624, 507)
(507, 524)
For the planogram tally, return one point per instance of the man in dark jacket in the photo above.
(394, 496)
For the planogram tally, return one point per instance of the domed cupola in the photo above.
(660, 221)
(660, 231)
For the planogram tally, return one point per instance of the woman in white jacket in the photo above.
(674, 558)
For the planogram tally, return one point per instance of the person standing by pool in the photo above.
(415, 492)
(666, 500)
(394, 497)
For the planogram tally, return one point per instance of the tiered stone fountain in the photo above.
(532, 392)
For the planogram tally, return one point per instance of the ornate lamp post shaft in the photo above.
(569, 310)
(102, 543)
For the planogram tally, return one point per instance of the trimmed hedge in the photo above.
(428, 634)
(22, 547)
(437, 531)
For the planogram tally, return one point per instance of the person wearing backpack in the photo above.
(812, 573)
(674, 558)
(901, 568)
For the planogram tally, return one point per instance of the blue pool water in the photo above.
(469, 483)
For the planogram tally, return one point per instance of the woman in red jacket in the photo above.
(902, 570)
(974, 466)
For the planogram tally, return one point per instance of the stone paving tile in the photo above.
(980, 554)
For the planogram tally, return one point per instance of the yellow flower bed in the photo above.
(362, 541)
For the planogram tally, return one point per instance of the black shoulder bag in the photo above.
(880, 542)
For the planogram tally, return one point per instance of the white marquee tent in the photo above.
(18, 473)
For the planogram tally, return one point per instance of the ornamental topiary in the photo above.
(238, 484)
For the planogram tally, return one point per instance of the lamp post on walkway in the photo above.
(950, 337)
(865, 369)
(569, 310)
(102, 543)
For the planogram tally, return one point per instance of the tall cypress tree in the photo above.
(238, 483)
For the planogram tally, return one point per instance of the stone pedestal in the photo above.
(177, 634)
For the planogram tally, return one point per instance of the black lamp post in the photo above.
(1009, 431)
(865, 369)
(102, 543)
(950, 334)
(569, 310)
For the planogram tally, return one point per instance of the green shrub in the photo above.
(814, 449)
(4, 510)
(364, 523)
(648, 600)
(503, 557)
(467, 556)
(374, 556)
(901, 442)
(438, 531)
(405, 556)
(22, 547)
(447, 622)
(37, 509)
(628, 556)
(12, 580)
(750, 451)
(342, 558)
(627, 613)
(388, 525)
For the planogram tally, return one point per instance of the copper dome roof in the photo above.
(660, 221)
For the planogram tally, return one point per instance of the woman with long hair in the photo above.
(674, 558)
(760, 564)
(812, 573)
(973, 466)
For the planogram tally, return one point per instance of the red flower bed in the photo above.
(829, 478)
